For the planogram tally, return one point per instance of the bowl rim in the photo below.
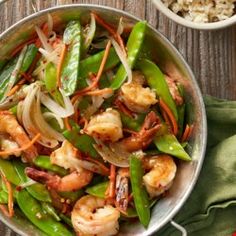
(203, 141)
(187, 23)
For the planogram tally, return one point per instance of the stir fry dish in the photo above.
(91, 130)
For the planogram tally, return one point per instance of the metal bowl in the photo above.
(171, 62)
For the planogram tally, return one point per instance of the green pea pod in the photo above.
(156, 81)
(37, 190)
(34, 212)
(141, 200)
(132, 123)
(134, 45)
(3, 197)
(73, 196)
(92, 63)
(168, 143)
(5, 76)
(66, 219)
(9, 171)
(30, 54)
(70, 68)
(98, 190)
(2, 63)
(81, 141)
(50, 80)
(48, 208)
(44, 162)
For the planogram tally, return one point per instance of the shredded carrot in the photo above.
(23, 148)
(10, 195)
(20, 47)
(112, 184)
(111, 30)
(185, 134)
(98, 76)
(67, 123)
(99, 92)
(103, 167)
(123, 108)
(32, 66)
(4, 210)
(76, 115)
(170, 115)
(166, 118)
(84, 121)
(26, 76)
(16, 87)
(59, 66)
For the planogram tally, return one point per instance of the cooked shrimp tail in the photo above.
(74, 181)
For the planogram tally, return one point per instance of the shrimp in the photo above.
(122, 188)
(174, 91)
(106, 126)
(71, 182)
(136, 97)
(145, 136)
(10, 126)
(160, 177)
(92, 216)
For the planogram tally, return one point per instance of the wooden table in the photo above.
(211, 55)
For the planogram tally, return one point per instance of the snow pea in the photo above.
(9, 171)
(81, 141)
(66, 219)
(30, 54)
(134, 45)
(5, 76)
(132, 123)
(168, 143)
(34, 212)
(98, 190)
(140, 195)
(44, 162)
(92, 63)
(2, 63)
(48, 208)
(50, 80)
(70, 68)
(37, 190)
(156, 81)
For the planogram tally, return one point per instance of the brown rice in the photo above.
(202, 10)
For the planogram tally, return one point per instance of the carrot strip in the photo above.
(26, 146)
(103, 167)
(84, 121)
(111, 30)
(26, 76)
(59, 66)
(101, 68)
(170, 115)
(166, 118)
(185, 134)
(190, 132)
(16, 87)
(10, 195)
(112, 177)
(67, 124)
(4, 210)
(20, 47)
(32, 66)
(99, 92)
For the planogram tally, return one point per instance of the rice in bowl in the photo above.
(202, 11)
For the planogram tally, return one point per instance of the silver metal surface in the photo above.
(171, 62)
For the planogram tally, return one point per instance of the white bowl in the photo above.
(200, 26)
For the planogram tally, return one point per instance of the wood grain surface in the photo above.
(210, 54)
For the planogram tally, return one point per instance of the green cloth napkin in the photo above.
(211, 208)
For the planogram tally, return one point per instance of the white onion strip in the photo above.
(91, 32)
(49, 115)
(43, 39)
(55, 107)
(50, 24)
(123, 59)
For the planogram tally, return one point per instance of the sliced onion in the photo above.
(123, 59)
(50, 24)
(19, 111)
(91, 32)
(44, 40)
(44, 127)
(49, 115)
(115, 158)
(55, 107)
(120, 27)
